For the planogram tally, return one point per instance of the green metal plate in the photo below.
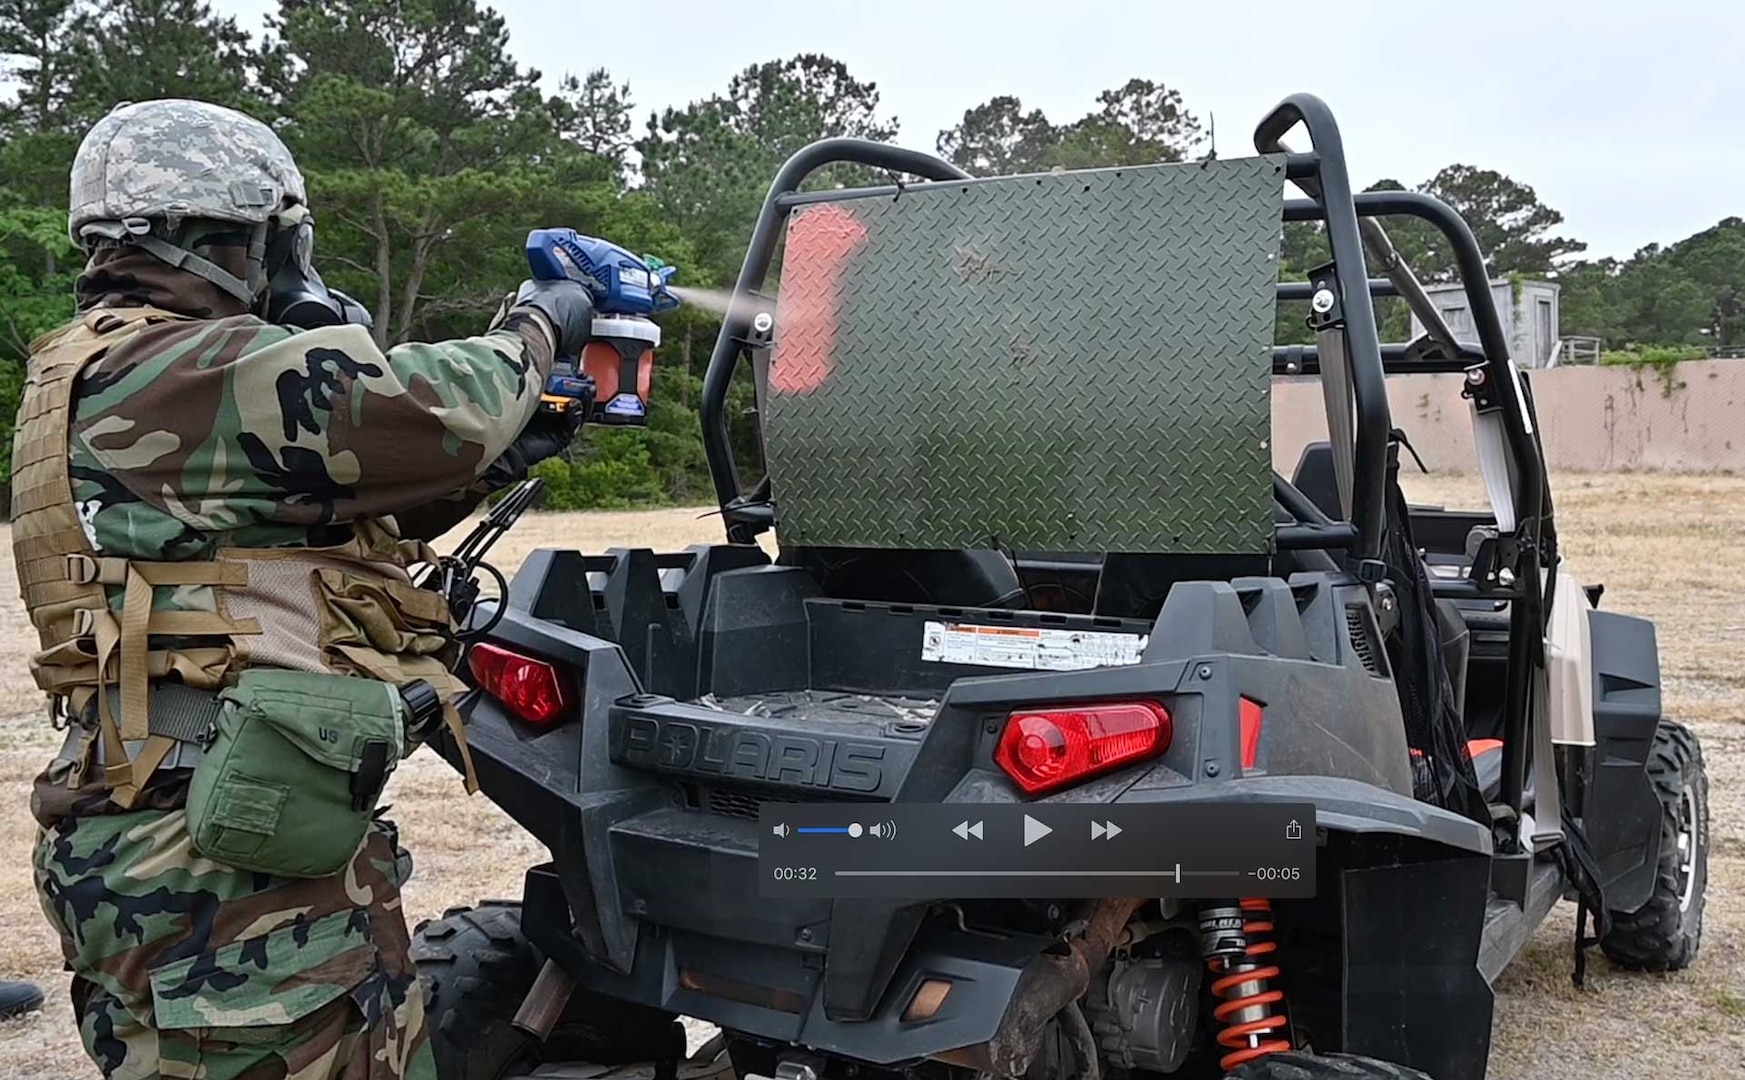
(1069, 362)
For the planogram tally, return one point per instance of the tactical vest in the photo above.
(350, 609)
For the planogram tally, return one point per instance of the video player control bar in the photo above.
(923, 851)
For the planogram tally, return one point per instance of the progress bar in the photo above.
(1178, 873)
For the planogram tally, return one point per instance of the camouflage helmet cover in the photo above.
(174, 159)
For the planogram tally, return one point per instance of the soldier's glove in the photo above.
(567, 306)
(547, 435)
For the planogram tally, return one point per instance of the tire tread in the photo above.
(1298, 1066)
(476, 965)
(1659, 936)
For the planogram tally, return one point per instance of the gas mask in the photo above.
(296, 295)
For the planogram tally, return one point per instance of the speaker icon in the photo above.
(781, 830)
(883, 830)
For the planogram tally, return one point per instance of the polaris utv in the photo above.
(1042, 404)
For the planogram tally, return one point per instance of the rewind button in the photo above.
(966, 831)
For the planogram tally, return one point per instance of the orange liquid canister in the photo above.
(620, 360)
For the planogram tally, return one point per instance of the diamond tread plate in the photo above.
(1067, 362)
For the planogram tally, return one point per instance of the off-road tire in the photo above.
(1663, 935)
(476, 966)
(1295, 1066)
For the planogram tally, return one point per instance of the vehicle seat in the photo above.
(1456, 648)
(1135, 586)
(1487, 762)
(977, 578)
(1315, 478)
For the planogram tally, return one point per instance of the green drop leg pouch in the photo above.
(294, 771)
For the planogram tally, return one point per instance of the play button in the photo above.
(1034, 830)
(1102, 831)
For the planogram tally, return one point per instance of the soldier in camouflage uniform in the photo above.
(243, 495)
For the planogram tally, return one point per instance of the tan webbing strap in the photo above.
(451, 719)
(169, 623)
(136, 616)
(86, 569)
(105, 636)
(117, 770)
(198, 623)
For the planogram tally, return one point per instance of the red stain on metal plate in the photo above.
(820, 243)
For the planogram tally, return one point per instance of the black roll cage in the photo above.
(1349, 217)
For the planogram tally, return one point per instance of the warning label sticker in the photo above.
(1033, 648)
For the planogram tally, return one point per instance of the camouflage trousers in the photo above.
(187, 968)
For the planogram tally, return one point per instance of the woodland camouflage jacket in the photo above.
(196, 435)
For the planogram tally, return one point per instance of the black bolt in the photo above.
(1211, 768)
(993, 726)
(805, 933)
(1205, 671)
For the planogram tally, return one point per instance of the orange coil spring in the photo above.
(1255, 1038)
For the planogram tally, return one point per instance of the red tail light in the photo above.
(531, 689)
(1044, 749)
(1251, 714)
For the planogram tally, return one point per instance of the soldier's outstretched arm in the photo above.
(546, 436)
(432, 519)
(225, 421)
(570, 310)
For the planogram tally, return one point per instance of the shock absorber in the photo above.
(1236, 942)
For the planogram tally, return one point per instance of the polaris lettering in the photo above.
(691, 748)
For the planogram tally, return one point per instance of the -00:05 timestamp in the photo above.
(1278, 873)
(794, 873)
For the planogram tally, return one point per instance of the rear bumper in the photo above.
(653, 899)
(777, 994)
(655, 903)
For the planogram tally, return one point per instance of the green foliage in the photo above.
(419, 132)
(36, 279)
(593, 112)
(1303, 247)
(1649, 355)
(1138, 123)
(1687, 294)
(137, 50)
(999, 138)
(613, 470)
(1511, 224)
(11, 387)
(36, 54)
(1660, 360)
(709, 164)
(1506, 217)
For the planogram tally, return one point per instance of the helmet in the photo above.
(148, 166)
(176, 159)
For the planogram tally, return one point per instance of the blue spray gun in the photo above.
(615, 367)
